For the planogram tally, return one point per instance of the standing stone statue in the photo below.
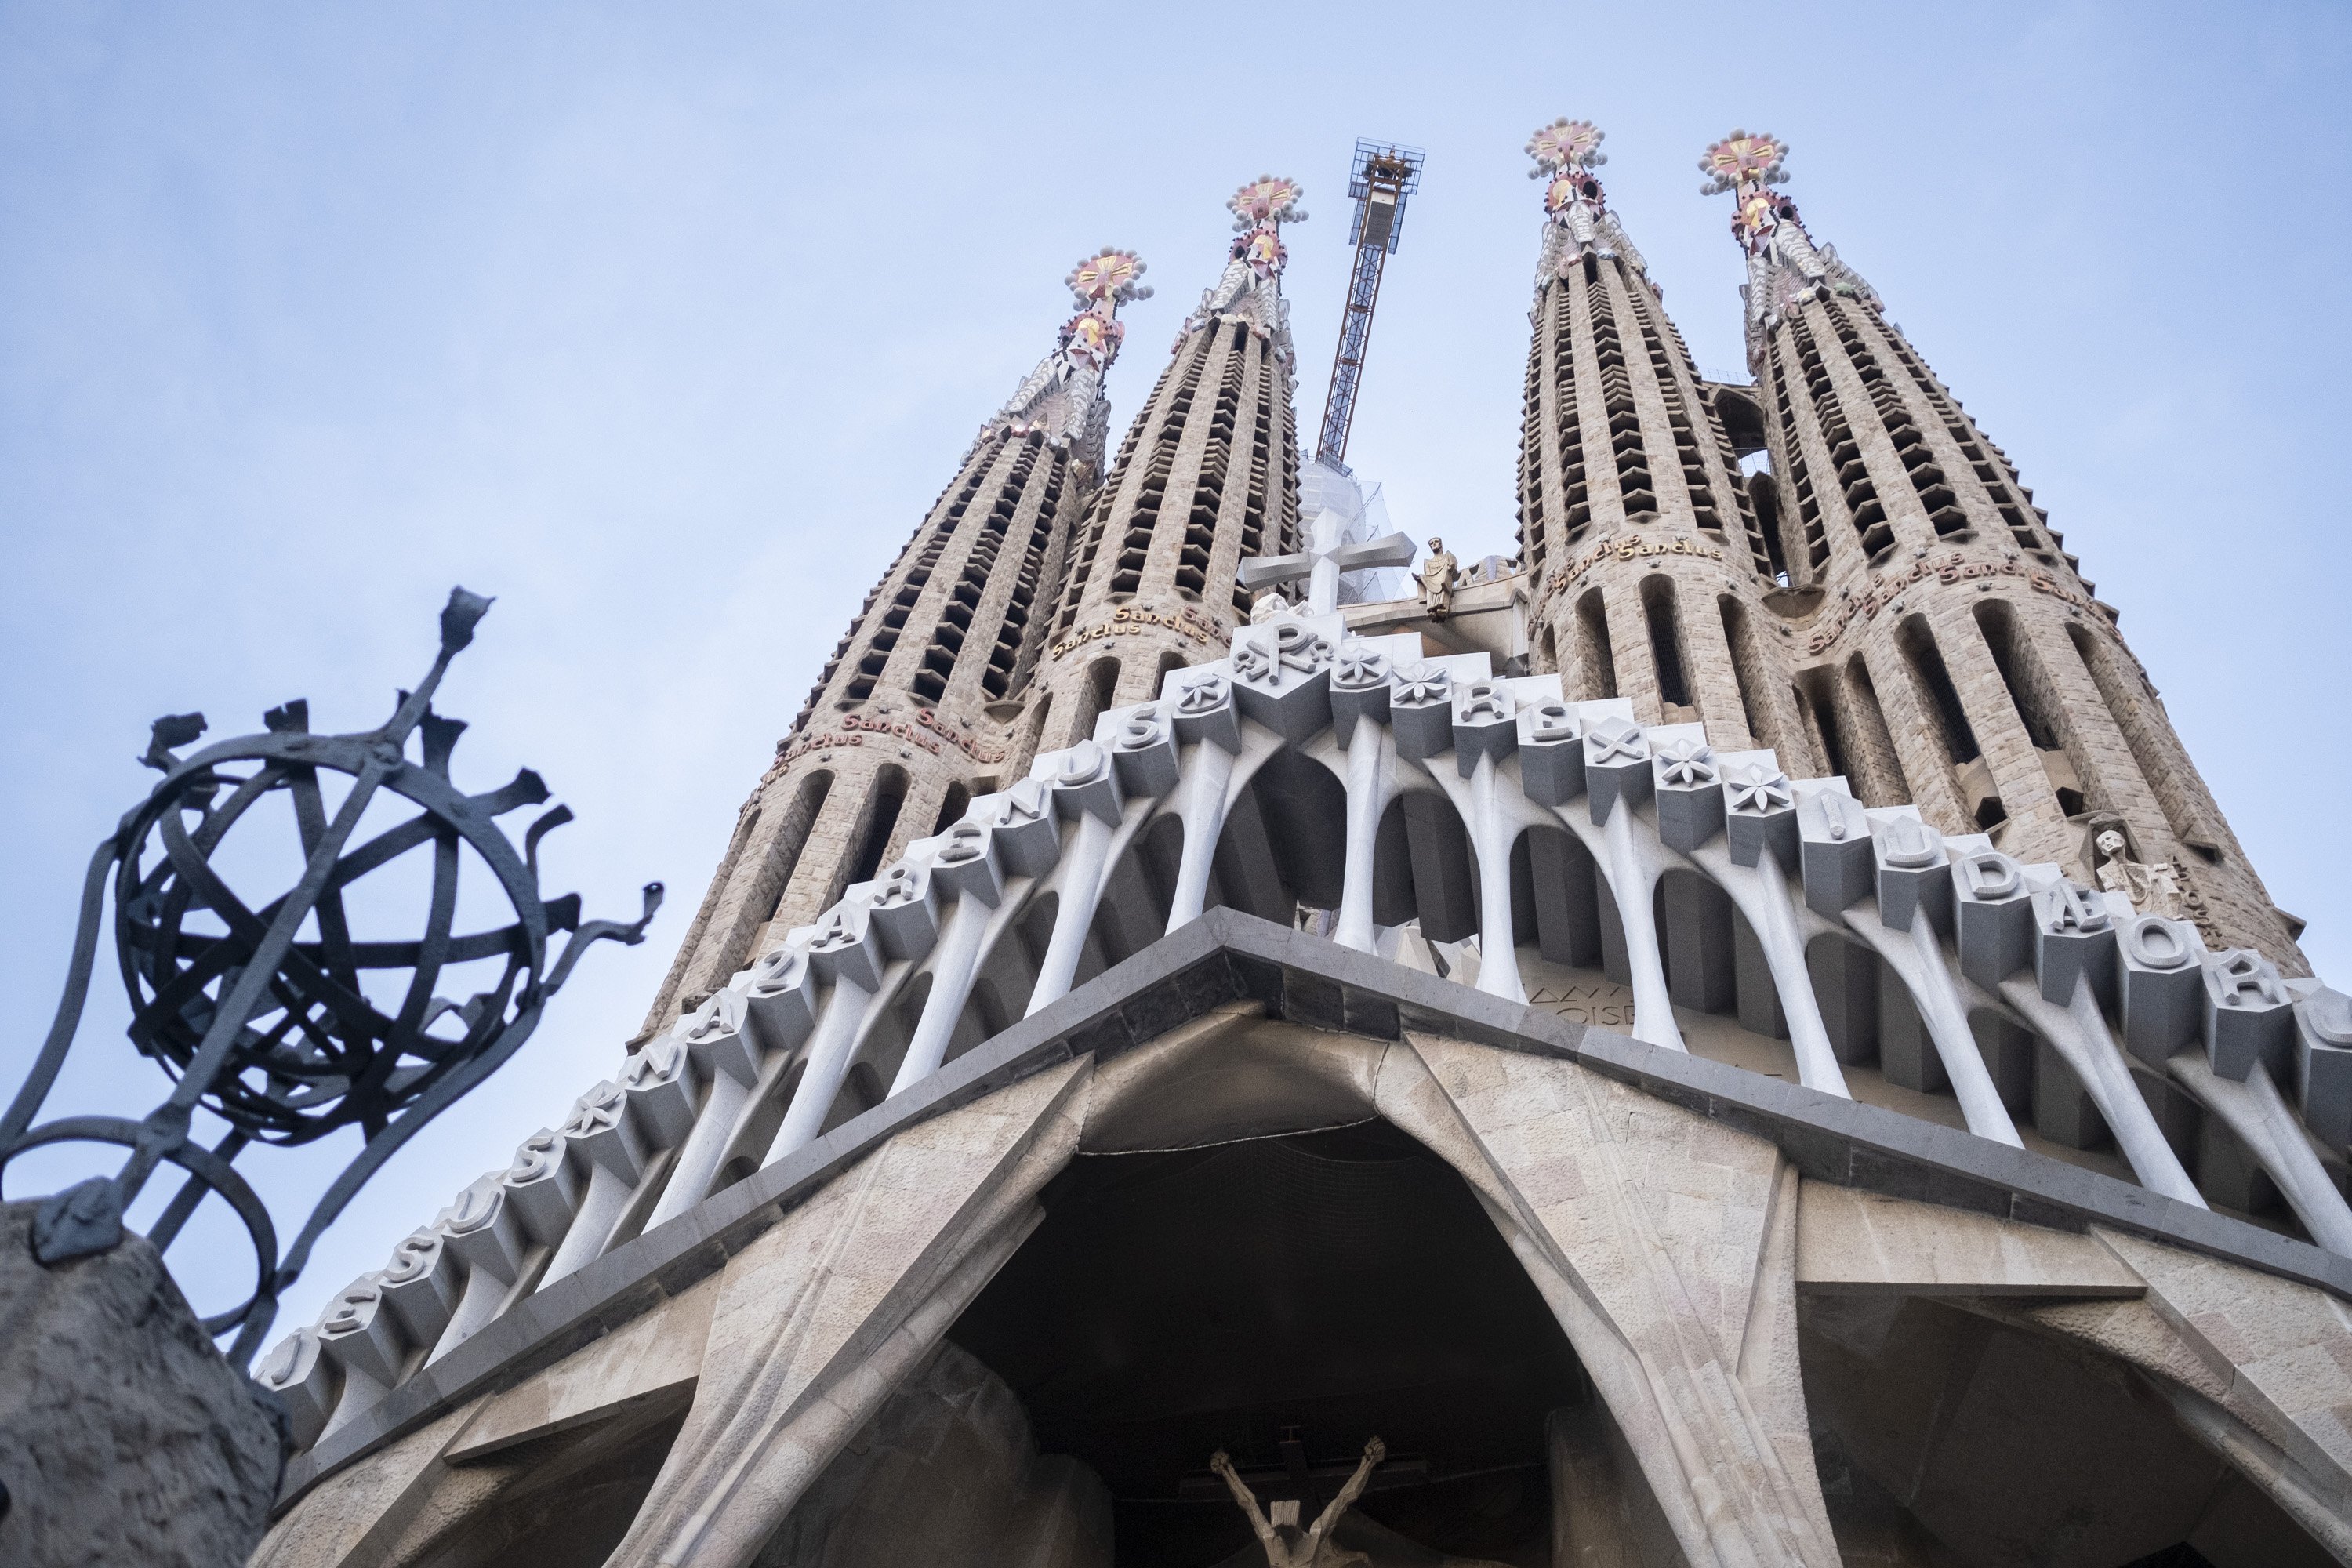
(1287, 1545)
(1437, 578)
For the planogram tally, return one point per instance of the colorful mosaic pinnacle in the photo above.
(1109, 276)
(1268, 199)
(1740, 160)
(1101, 284)
(1565, 144)
(1744, 164)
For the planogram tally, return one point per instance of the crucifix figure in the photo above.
(1287, 1545)
(1328, 554)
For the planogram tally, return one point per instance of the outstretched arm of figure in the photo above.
(1374, 1452)
(1242, 1495)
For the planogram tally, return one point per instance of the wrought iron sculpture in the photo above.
(268, 1025)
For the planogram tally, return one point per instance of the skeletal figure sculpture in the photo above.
(1287, 1545)
(2153, 888)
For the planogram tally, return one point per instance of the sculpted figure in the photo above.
(1287, 1545)
(1437, 578)
(1267, 605)
(2153, 890)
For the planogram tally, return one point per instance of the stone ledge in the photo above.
(1226, 956)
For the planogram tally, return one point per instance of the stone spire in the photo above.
(1632, 522)
(1207, 476)
(1949, 653)
(910, 719)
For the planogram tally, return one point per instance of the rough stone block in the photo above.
(124, 1435)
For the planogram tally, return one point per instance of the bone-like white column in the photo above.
(1207, 797)
(1632, 884)
(1081, 878)
(1762, 892)
(831, 1045)
(1492, 830)
(2078, 1032)
(1918, 957)
(954, 964)
(1372, 753)
(2265, 1123)
(733, 1083)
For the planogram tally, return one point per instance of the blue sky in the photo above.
(664, 325)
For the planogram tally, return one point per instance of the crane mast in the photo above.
(1383, 176)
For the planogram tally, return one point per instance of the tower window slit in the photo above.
(1597, 664)
(1946, 713)
(1665, 644)
(881, 821)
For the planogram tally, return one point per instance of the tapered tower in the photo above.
(1207, 476)
(1650, 570)
(1952, 654)
(912, 715)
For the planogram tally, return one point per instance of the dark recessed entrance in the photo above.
(1341, 1283)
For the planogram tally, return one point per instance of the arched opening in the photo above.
(1953, 1437)
(882, 807)
(1314, 1289)
(1422, 868)
(2039, 709)
(1285, 843)
(1747, 672)
(1170, 663)
(1100, 691)
(1725, 1005)
(1883, 783)
(576, 1495)
(1139, 894)
(1817, 704)
(792, 834)
(951, 807)
(2161, 762)
(1946, 715)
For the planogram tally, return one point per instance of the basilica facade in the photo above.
(1736, 1036)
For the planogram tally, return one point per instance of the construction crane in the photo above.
(1383, 176)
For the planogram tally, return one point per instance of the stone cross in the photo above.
(1326, 556)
